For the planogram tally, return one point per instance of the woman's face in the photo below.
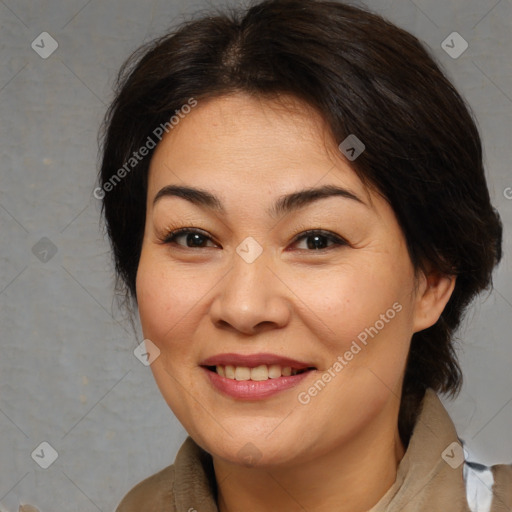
(246, 280)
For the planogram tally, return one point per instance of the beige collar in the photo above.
(430, 475)
(425, 481)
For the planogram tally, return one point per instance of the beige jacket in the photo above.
(431, 477)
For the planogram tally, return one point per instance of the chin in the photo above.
(252, 450)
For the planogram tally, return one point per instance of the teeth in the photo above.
(259, 373)
(242, 373)
(274, 371)
(229, 371)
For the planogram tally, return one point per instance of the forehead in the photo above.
(240, 142)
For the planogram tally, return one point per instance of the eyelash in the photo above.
(171, 236)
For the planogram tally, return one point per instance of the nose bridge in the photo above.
(250, 295)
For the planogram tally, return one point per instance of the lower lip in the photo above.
(252, 389)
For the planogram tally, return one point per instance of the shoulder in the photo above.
(189, 481)
(153, 493)
(488, 488)
(502, 490)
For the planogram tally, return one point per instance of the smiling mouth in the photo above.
(258, 373)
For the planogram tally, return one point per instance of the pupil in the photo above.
(195, 239)
(316, 244)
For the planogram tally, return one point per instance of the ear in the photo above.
(433, 293)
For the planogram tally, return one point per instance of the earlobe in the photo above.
(434, 292)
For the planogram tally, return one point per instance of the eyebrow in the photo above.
(285, 204)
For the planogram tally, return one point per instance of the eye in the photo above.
(317, 240)
(192, 237)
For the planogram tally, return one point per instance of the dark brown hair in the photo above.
(365, 77)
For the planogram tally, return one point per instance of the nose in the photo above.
(251, 298)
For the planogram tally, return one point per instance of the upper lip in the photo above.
(252, 360)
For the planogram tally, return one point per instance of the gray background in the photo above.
(68, 375)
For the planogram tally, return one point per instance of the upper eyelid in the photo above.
(327, 234)
(314, 231)
(184, 231)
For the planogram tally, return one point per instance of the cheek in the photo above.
(367, 339)
(166, 299)
(344, 303)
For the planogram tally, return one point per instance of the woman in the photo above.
(296, 202)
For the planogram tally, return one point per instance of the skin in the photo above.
(341, 450)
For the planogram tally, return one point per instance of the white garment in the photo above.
(479, 483)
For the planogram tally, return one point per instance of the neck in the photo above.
(350, 477)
